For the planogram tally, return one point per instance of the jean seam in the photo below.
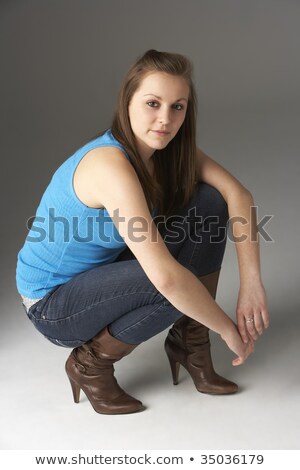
(94, 305)
(128, 328)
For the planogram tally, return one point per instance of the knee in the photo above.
(219, 205)
(213, 200)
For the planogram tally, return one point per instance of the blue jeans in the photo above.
(121, 296)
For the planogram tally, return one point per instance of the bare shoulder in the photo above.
(106, 178)
(94, 168)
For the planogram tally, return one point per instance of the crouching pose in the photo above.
(128, 240)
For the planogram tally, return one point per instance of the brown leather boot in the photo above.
(90, 368)
(188, 344)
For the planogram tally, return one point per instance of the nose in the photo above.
(164, 115)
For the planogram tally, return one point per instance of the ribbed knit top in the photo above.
(66, 237)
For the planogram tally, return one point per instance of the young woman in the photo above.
(129, 238)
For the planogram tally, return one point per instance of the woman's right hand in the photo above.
(235, 343)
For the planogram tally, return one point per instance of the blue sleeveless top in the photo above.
(66, 237)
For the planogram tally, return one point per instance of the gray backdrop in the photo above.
(62, 62)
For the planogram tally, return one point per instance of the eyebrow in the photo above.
(159, 97)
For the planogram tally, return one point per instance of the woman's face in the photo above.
(157, 111)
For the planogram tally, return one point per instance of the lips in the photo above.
(158, 132)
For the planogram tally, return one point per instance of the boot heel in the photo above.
(75, 390)
(174, 369)
(188, 344)
(90, 368)
(175, 365)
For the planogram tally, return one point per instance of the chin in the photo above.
(159, 147)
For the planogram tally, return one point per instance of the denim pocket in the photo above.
(37, 310)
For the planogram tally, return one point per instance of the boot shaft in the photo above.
(189, 334)
(90, 368)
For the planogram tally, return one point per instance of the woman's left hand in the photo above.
(252, 311)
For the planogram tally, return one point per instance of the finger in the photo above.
(248, 350)
(237, 362)
(251, 329)
(243, 331)
(251, 346)
(265, 317)
(258, 324)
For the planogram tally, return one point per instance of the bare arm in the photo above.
(252, 299)
(176, 283)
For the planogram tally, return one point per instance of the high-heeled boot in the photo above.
(188, 344)
(90, 368)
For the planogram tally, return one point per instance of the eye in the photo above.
(178, 107)
(152, 104)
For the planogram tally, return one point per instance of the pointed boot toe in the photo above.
(188, 344)
(90, 369)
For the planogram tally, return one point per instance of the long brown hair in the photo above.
(175, 165)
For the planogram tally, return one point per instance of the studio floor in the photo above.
(37, 409)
